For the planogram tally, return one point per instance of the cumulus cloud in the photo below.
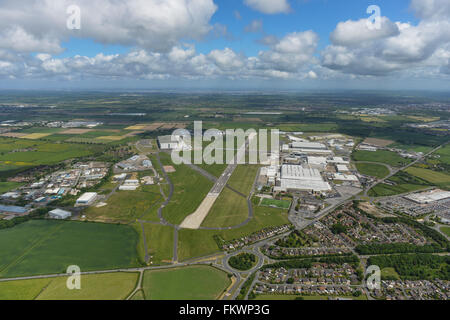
(396, 46)
(29, 25)
(269, 6)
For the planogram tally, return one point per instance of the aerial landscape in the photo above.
(133, 167)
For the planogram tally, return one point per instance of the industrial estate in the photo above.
(347, 188)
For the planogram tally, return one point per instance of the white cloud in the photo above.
(269, 6)
(395, 47)
(33, 25)
(355, 33)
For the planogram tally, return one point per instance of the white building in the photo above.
(317, 162)
(301, 178)
(308, 145)
(59, 214)
(342, 168)
(87, 199)
(429, 196)
(345, 177)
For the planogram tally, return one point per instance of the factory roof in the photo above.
(296, 172)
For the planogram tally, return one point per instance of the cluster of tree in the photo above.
(296, 239)
(243, 261)
(338, 228)
(389, 248)
(36, 214)
(415, 266)
(307, 263)
(245, 287)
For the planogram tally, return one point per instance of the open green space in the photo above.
(8, 186)
(281, 204)
(243, 178)
(373, 170)
(126, 206)
(403, 182)
(382, 156)
(187, 283)
(190, 188)
(159, 240)
(411, 147)
(107, 286)
(198, 243)
(434, 177)
(41, 247)
(446, 230)
(230, 209)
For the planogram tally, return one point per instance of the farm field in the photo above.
(159, 241)
(187, 283)
(197, 243)
(15, 153)
(438, 178)
(41, 247)
(230, 209)
(281, 204)
(107, 286)
(382, 156)
(374, 170)
(411, 147)
(8, 186)
(126, 206)
(189, 190)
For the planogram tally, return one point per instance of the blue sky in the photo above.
(313, 43)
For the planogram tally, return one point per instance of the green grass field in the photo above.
(404, 183)
(438, 178)
(446, 230)
(8, 186)
(243, 178)
(126, 206)
(187, 283)
(411, 147)
(280, 204)
(374, 170)
(108, 286)
(47, 247)
(159, 241)
(384, 190)
(198, 243)
(230, 209)
(382, 156)
(190, 188)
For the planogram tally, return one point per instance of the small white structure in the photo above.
(87, 199)
(129, 185)
(59, 214)
(342, 168)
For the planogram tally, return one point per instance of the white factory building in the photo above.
(59, 214)
(429, 196)
(317, 162)
(129, 185)
(173, 143)
(87, 199)
(295, 177)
